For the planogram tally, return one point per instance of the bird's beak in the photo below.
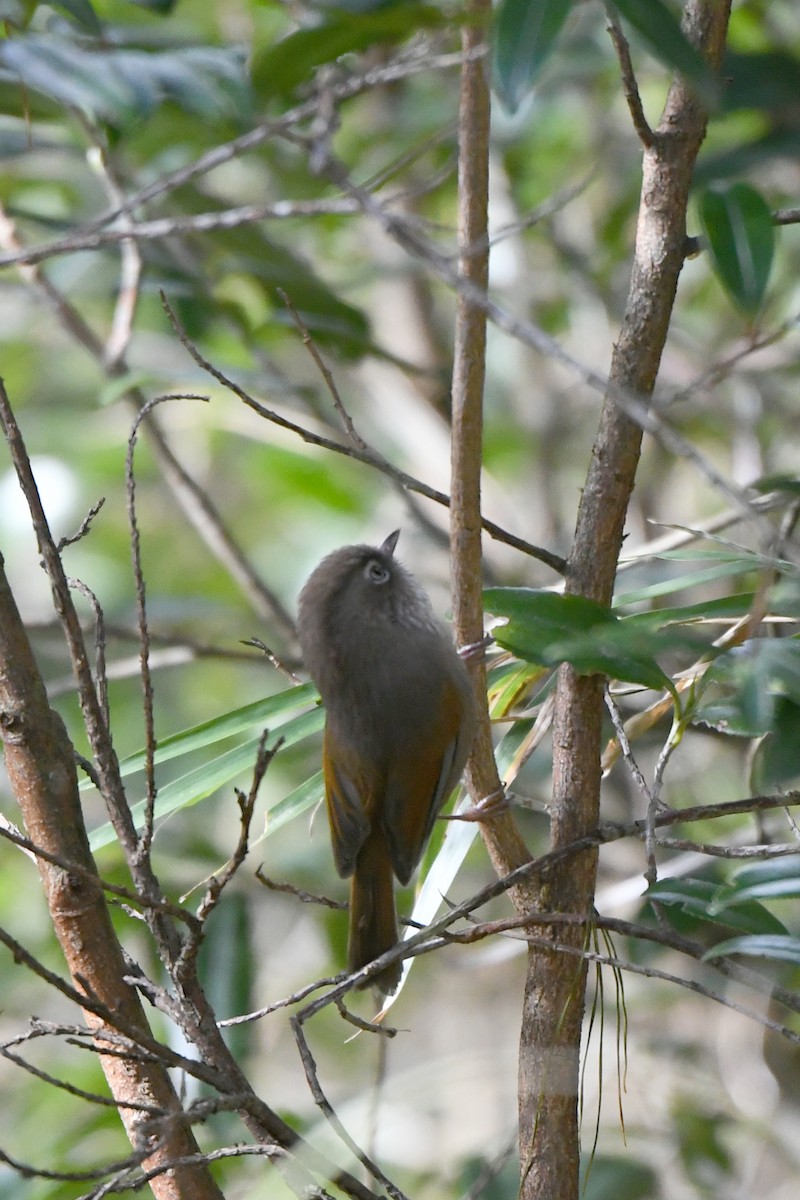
(388, 546)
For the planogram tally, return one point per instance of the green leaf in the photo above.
(196, 785)
(751, 156)
(776, 762)
(660, 31)
(227, 966)
(309, 793)
(612, 1177)
(726, 607)
(767, 82)
(76, 78)
(280, 68)
(778, 947)
(82, 13)
(740, 232)
(120, 385)
(701, 898)
(680, 583)
(271, 713)
(744, 686)
(778, 483)
(549, 629)
(162, 7)
(525, 32)
(776, 879)
(122, 86)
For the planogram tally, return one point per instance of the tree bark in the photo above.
(503, 841)
(555, 987)
(40, 761)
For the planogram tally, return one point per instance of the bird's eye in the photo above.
(376, 572)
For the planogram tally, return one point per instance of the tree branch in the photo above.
(554, 1002)
(504, 843)
(40, 763)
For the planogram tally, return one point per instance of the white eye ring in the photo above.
(376, 572)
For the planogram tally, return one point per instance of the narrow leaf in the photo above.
(524, 34)
(779, 947)
(700, 898)
(309, 793)
(273, 712)
(740, 232)
(778, 879)
(201, 782)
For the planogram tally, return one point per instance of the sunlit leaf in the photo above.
(202, 781)
(270, 713)
(549, 629)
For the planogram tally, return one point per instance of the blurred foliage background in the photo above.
(110, 100)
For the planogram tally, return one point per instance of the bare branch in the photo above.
(304, 897)
(163, 227)
(83, 528)
(220, 880)
(320, 1099)
(364, 456)
(146, 837)
(623, 50)
(407, 63)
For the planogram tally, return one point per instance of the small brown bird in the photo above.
(400, 715)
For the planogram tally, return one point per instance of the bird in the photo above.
(400, 716)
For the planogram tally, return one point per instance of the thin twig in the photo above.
(164, 227)
(146, 836)
(365, 1026)
(713, 850)
(631, 87)
(272, 658)
(539, 868)
(326, 373)
(100, 673)
(161, 904)
(325, 1106)
(72, 1090)
(404, 233)
(196, 505)
(246, 802)
(304, 897)
(130, 257)
(314, 439)
(97, 730)
(83, 528)
(407, 63)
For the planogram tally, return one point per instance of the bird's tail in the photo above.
(373, 922)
